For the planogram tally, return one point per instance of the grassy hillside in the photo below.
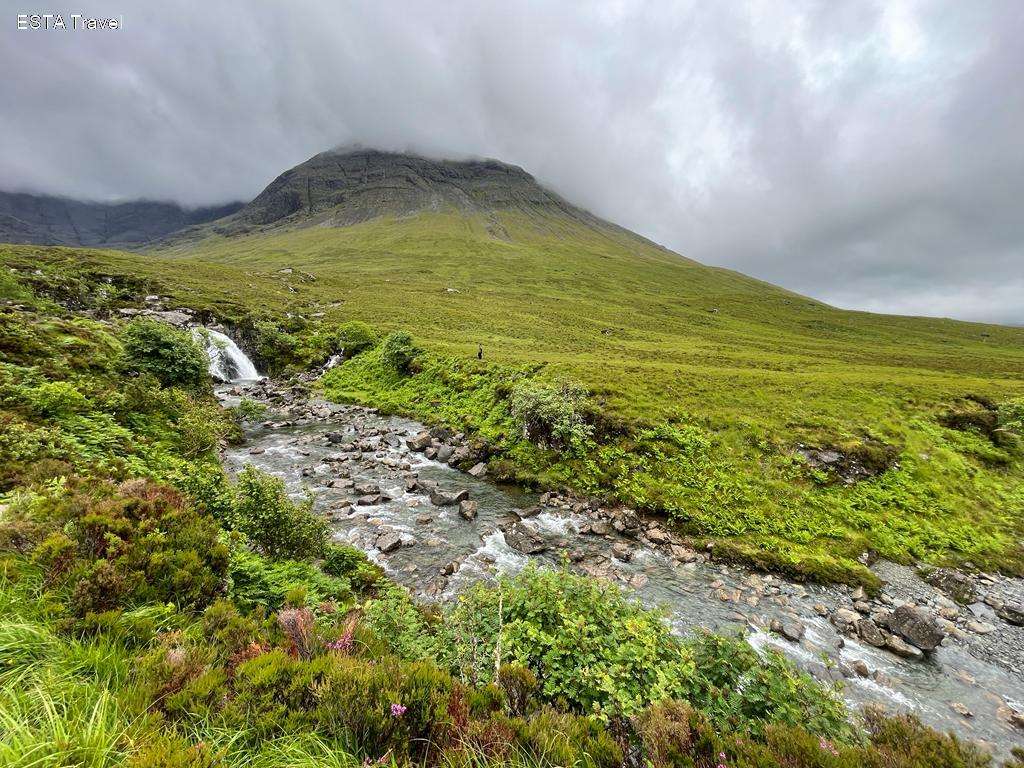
(156, 614)
(700, 382)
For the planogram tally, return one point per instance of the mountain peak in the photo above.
(343, 187)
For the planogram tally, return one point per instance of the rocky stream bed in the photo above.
(949, 649)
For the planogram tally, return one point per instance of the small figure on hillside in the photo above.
(480, 352)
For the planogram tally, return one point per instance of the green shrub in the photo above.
(739, 689)
(591, 647)
(559, 739)
(229, 631)
(399, 623)
(171, 355)
(355, 337)
(351, 563)
(276, 525)
(398, 351)
(550, 415)
(257, 582)
(250, 410)
(595, 650)
(519, 686)
(123, 546)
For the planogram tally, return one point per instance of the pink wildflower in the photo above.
(828, 746)
(397, 710)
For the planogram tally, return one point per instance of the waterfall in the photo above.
(227, 362)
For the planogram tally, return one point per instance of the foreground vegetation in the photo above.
(618, 369)
(155, 613)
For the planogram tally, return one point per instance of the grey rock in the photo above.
(658, 535)
(418, 442)
(845, 620)
(915, 626)
(468, 509)
(869, 632)
(478, 470)
(444, 453)
(959, 586)
(900, 648)
(441, 498)
(622, 551)
(1012, 613)
(522, 539)
(791, 629)
(388, 541)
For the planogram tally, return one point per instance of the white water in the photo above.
(227, 362)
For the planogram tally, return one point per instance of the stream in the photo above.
(359, 468)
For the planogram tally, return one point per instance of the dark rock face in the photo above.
(1012, 613)
(43, 220)
(957, 585)
(339, 188)
(916, 627)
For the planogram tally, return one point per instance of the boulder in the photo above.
(441, 498)
(869, 632)
(444, 453)
(957, 585)
(845, 620)
(418, 442)
(657, 535)
(915, 626)
(334, 438)
(791, 629)
(622, 551)
(522, 539)
(366, 489)
(368, 500)
(388, 541)
(478, 470)
(1012, 613)
(900, 648)
(468, 509)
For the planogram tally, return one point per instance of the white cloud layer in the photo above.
(866, 153)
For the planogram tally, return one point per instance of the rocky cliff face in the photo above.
(339, 188)
(42, 220)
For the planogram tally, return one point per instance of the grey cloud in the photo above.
(865, 153)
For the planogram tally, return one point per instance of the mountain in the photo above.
(43, 220)
(344, 187)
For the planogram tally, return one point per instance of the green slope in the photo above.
(739, 370)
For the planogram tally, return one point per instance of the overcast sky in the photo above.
(870, 154)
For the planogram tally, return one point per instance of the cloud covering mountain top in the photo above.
(866, 153)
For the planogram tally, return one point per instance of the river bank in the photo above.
(386, 486)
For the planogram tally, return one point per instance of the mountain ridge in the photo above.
(30, 219)
(342, 187)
